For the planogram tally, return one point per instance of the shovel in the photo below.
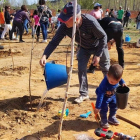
(97, 118)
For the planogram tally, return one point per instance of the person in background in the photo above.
(112, 13)
(2, 20)
(32, 24)
(45, 14)
(91, 38)
(37, 24)
(18, 22)
(107, 13)
(96, 11)
(25, 23)
(120, 14)
(58, 22)
(8, 26)
(106, 97)
(138, 21)
(101, 10)
(127, 15)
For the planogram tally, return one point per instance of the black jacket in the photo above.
(7, 17)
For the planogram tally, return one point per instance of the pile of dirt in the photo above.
(9, 71)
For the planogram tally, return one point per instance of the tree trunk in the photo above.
(125, 6)
(134, 5)
(109, 4)
(115, 4)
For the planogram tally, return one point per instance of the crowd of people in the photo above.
(94, 36)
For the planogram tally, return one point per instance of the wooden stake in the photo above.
(70, 70)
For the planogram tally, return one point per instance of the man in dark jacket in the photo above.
(114, 31)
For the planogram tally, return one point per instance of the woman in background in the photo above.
(45, 14)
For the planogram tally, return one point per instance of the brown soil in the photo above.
(18, 120)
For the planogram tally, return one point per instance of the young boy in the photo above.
(106, 96)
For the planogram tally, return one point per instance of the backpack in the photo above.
(128, 14)
(45, 13)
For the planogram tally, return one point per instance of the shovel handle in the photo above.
(96, 115)
(93, 106)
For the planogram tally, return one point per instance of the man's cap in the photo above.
(97, 4)
(67, 12)
(120, 7)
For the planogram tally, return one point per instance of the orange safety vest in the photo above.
(2, 21)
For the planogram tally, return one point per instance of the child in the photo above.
(106, 97)
(37, 24)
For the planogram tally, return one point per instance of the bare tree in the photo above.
(134, 4)
(125, 7)
(109, 4)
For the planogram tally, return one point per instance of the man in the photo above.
(120, 14)
(114, 31)
(91, 38)
(126, 17)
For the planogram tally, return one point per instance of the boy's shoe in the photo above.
(104, 125)
(81, 98)
(44, 41)
(113, 120)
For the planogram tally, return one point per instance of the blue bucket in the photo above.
(55, 75)
(127, 38)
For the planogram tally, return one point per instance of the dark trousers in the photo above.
(111, 102)
(20, 27)
(115, 31)
(125, 21)
(37, 28)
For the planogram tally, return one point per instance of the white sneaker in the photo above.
(44, 41)
(81, 98)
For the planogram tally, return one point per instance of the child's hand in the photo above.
(96, 111)
(108, 92)
(124, 85)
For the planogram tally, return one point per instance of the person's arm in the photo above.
(27, 17)
(101, 90)
(122, 82)
(61, 32)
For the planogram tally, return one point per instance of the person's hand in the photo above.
(124, 85)
(96, 111)
(96, 60)
(43, 61)
(108, 92)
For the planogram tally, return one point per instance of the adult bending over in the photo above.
(18, 21)
(91, 38)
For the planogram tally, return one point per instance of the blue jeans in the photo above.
(44, 27)
(25, 25)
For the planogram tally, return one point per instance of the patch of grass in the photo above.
(132, 32)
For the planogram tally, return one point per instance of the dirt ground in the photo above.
(16, 118)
